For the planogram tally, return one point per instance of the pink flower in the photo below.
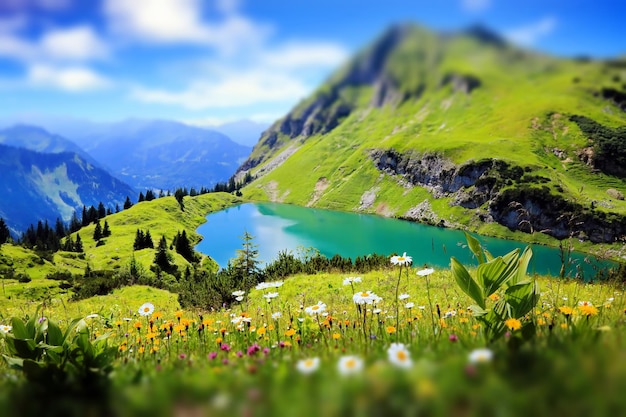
(253, 349)
(225, 347)
(239, 354)
(212, 355)
(453, 338)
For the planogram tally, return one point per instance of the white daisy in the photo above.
(409, 305)
(146, 309)
(351, 280)
(403, 296)
(238, 293)
(349, 365)
(4, 328)
(365, 297)
(315, 309)
(401, 260)
(308, 366)
(277, 315)
(424, 272)
(399, 355)
(480, 355)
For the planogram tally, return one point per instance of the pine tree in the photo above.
(127, 204)
(139, 240)
(162, 258)
(141, 197)
(183, 246)
(246, 263)
(97, 231)
(5, 233)
(78, 245)
(148, 240)
(102, 211)
(117, 208)
(150, 195)
(106, 232)
(75, 223)
(59, 228)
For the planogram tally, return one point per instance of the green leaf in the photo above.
(522, 297)
(19, 329)
(492, 275)
(23, 348)
(475, 247)
(14, 363)
(55, 335)
(523, 265)
(478, 311)
(466, 282)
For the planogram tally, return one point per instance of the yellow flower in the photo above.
(261, 331)
(290, 332)
(541, 322)
(568, 311)
(122, 348)
(137, 325)
(390, 329)
(588, 310)
(178, 314)
(218, 340)
(513, 324)
(157, 315)
(563, 325)
(494, 297)
(336, 336)
(463, 320)
(206, 322)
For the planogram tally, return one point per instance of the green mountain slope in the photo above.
(461, 130)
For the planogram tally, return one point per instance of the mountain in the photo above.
(38, 139)
(245, 132)
(43, 186)
(459, 129)
(160, 154)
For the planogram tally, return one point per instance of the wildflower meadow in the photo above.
(473, 340)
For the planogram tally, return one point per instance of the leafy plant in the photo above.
(59, 361)
(502, 291)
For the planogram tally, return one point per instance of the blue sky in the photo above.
(213, 61)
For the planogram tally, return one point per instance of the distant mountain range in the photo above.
(43, 186)
(51, 176)
(458, 129)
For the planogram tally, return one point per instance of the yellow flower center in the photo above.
(146, 309)
(309, 363)
(350, 363)
(364, 294)
(402, 356)
(315, 307)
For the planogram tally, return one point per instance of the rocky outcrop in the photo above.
(444, 178)
(533, 209)
(499, 192)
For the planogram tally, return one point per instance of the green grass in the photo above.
(189, 370)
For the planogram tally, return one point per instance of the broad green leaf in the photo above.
(522, 297)
(55, 335)
(14, 363)
(478, 311)
(524, 260)
(492, 275)
(19, 329)
(23, 348)
(466, 282)
(474, 246)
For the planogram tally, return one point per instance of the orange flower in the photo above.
(336, 336)
(290, 332)
(513, 324)
(390, 329)
(137, 325)
(568, 311)
(588, 310)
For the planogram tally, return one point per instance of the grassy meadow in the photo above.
(397, 341)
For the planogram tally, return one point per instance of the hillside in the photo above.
(461, 130)
(161, 154)
(46, 186)
(162, 217)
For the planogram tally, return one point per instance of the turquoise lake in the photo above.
(279, 227)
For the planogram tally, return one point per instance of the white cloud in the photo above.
(80, 43)
(529, 34)
(266, 76)
(73, 44)
(169, 21)
(302, 55)
(73, 79)
(475, 5)
(234, 90)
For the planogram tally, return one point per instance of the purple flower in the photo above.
(266, 350)
(253, 349)
(212, 355)
(225, 347)
(453, 338)
(239, 354)
(41, 319)
(182, 356)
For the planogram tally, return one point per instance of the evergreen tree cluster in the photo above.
(143, 240)
(99, 232)
(183, 246)
(73, 246)
(43, 237)
(5, 233)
